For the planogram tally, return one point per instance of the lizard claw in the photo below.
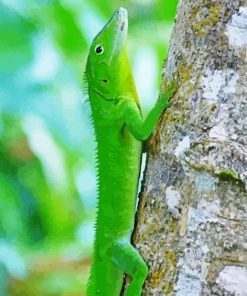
(171, 89)
(168, 93)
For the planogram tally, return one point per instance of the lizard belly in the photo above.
(119, 156)
(119, 169)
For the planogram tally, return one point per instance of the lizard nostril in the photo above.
(105, 81)
(122, 26)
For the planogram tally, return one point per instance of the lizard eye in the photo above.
(99, 49)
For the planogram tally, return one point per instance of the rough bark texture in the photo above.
(192, 218)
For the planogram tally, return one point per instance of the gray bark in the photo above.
(192, 216)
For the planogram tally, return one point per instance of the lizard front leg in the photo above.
(142, 129)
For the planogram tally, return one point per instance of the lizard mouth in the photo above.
(119, 20)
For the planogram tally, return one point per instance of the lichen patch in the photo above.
(204, 213)
(233, 279)
(182, 147)
(237, 28)
(188, 284)
(173, 198)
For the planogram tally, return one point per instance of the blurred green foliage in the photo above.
(47, 169)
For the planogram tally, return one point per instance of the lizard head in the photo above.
(108, 55)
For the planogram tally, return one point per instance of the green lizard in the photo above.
(119, 130)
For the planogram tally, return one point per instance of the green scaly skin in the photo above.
(119, 130)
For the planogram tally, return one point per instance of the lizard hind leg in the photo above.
(126, 257)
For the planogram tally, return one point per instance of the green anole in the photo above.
(120, 131)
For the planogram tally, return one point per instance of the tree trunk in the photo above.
(192, 216)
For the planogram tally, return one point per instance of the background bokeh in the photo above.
(47, 168)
